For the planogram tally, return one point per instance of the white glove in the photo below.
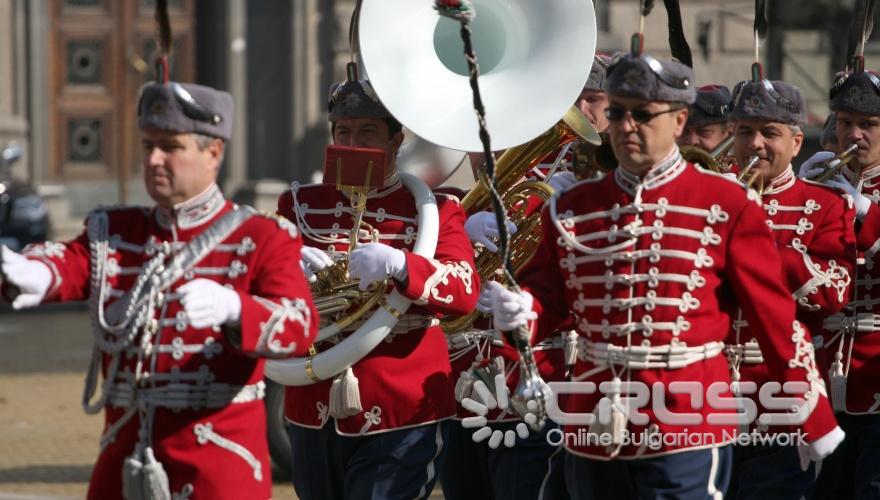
(863, 204)
(313, 260)
(31, 277)
(376, 262)
(510, 309)
(484, 302)
(208, 303)
(820, 448)
(482, 227)
(815, 164)
(562, 180)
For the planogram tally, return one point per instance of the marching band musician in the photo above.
(649, 259)
(813, 229)
(394, 446)
(708, 122)
(187, 297)
(853, 344)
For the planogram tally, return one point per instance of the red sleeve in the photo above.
(752, 266)
(820, 275)
(447, 283)
(868, 235)
(278, 317)
(69, 263)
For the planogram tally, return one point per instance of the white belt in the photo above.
(748, 353)
(669, 356)
(861, 323)
(177, 396)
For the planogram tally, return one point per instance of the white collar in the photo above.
(193, 212)
(781, 182)
(664, 171)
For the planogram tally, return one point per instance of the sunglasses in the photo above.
(640, 116)
(845, 81)
(657, 68)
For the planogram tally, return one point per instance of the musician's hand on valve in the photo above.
(562, 180)
(511, 310)
(30, 278)
(207, 303)
(862, 203)
(482, 227)
(815, 165)
(376, 262)
(313, 260)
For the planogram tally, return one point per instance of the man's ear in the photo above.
(397, 140)
(216, 150)
(681, 119)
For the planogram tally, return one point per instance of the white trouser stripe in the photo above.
(549, 472)
(713, 472)
(430, 472)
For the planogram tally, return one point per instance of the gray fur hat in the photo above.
(186, 107)
(651, 79)
(856, 93)
(712, 106)
(355, 99)
(774, 101)
(597, 72)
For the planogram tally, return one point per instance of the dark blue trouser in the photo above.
(531, 470)
(400, 464)
(853, 470)
(770, 471)
(687, 475)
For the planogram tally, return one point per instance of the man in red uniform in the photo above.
(187, 298)
(813, 228)
(649, 259)
(853, 343)
(393, 447)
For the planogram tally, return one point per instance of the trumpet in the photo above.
(718, 160)
(749, 176)
(841, 158)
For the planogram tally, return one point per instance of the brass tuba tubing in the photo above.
(842, 158)
(710, 160)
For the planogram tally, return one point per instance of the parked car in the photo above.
(24, 217)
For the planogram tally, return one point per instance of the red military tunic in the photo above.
(854, 338)
(194, 394)
(813, 228)
(406, 380)
(654, 264)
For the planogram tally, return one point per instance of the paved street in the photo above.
(47, 442)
